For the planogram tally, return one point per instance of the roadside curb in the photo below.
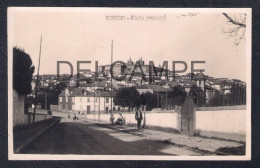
(19, 148)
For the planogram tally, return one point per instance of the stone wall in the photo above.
(19, 117)
(54, 107)
(228, 122)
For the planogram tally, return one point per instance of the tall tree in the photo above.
(178, 94)
(22, 72)
(238, 94)
(198, 95)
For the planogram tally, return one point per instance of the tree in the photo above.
(218, 100)
(128, 97)
(22, 72)
(178, 94)
(238, 27)
(237, 24)
(150, 100)
(238, 94)
(198, 96)
(57, 89)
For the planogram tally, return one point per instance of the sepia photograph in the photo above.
(129, 83)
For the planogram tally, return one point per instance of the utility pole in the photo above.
(96, 76)
(111, 76)
(223, 103)
(95, 96)
(99, 107)
(166, 99)
(157, 97)
(37, 80)
(45, 100)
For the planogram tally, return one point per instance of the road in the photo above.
(81, 137)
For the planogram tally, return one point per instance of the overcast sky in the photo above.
(85, 35)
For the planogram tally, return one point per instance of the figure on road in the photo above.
(112, 118)
(138, 117)
(75, 118)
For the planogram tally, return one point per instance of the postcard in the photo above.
(129, 83)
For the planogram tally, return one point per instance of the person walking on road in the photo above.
(138, 117)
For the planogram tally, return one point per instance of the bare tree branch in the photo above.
(236, 28)
(233, 21)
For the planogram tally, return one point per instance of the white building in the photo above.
(79, 99)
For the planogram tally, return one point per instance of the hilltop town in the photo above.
(97, 89)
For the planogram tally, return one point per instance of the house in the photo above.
(223, 86)
(79, 99)
(72, 83)
(210, 92)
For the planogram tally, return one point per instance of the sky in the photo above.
(85, 35)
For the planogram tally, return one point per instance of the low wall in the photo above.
(162, 119)
(223, 122)
(38, 117)
(38, 111)
(54, 107)
(169, 120)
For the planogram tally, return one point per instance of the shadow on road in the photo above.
(240, 150)
(90, 139)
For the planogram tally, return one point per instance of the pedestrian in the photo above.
(112, 118)
(75, 117)
(138, 117)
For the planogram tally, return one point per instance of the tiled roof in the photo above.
(80, 92)
(200, 76)
(69, 88)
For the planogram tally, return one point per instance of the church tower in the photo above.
(200, 81)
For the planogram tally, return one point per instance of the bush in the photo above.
(22, 72)
(196, 132)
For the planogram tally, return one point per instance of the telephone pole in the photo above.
(111, 76)
(166, 99)
(37, 80)
(157, 97)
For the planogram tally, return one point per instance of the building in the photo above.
(82, 100)
(133, 70)
(72, 82)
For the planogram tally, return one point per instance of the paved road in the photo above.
(80, 137)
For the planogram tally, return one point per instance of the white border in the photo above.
(12, 156)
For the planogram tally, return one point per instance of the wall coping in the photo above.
(236, 107)
(38, 111)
